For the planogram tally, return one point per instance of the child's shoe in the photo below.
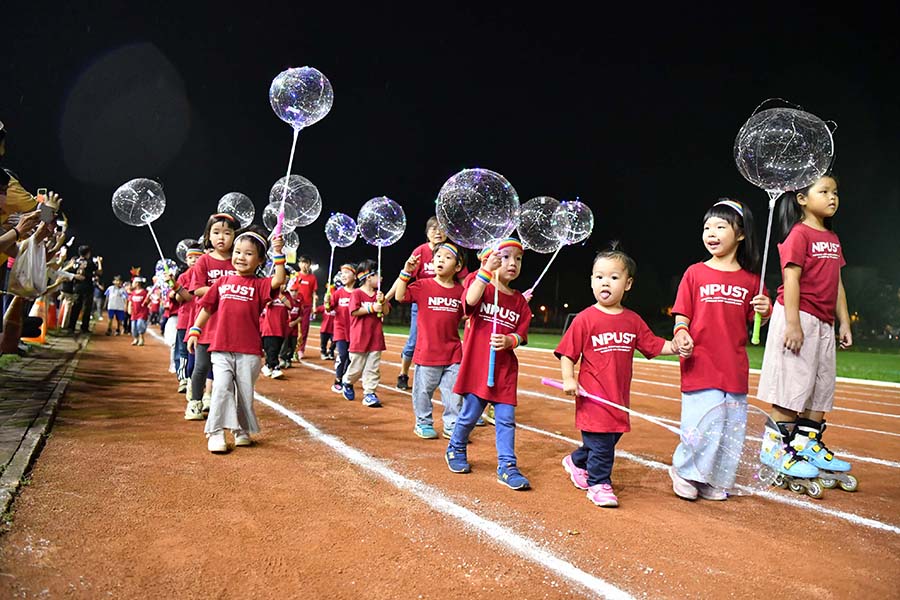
(511, 477)
(710, 492)
(266, 371)
(216, 442)
(457, 462)
(349, 394)
(371, 401)
(183, 385)
(403, 382)
(242, 438)
(578, 476)
(207, 400)
(193, 411)
(140, 341)
(323, 356)
(134, 342)
(108, 332)
(682, 487)
(602, 495)
(336, 387)
(277, 374)
(426, 432)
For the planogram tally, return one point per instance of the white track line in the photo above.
(524, 547)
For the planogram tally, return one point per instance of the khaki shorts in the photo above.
(803, 381)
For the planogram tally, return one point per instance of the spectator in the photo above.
(86, 268)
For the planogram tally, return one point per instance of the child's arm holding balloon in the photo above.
(484, 276)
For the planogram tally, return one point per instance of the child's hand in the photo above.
(494, 262)
(570, 386)
(191, 344)
(386, 308)
(379, 297)
(411, 264)
(277, 244)
(846, 335)
(683, 343)
(528, 295)
(500, 341)
(761, 304)
(377, 307)
(793, 337)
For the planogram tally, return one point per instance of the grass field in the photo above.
(860, 363)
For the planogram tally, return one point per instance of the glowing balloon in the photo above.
(301, 96)
(381, 221)
(781, 149)
(239, 205)
(270, 217)
(182, 248)
(291, 241)
(302, 195)
(476, 207)
(537, 229)
(575, 219)
(341, 231)
(139, 202)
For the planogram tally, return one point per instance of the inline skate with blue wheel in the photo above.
(807, 441)
(794, 472)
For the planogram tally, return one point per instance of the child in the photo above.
(305, 285)
(116, 298)
(366, 335)
(604, 336)
(326, 334)
(513, 317)
(438, 349)
(186, 312)
(218, 237)
(798, 372)
(138, 302)
(289, 347)
(715, 301)
(155, 303)
(238, 300)
(274, 327)
(339, 302)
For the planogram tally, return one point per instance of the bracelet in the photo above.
(484, 275)
(517, 340)
(194, 332)
(18, 234)
(278, 259)
(679, 326)
(370, 308)
(405, 277)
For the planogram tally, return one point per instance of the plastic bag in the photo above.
(28, 277)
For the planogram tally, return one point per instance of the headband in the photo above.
(484, 253)
(363, 275)
(349, 267)
(224, 216)
(509, 243)
(194, 252)
(735, 205)
(451, 247)
(255, 236)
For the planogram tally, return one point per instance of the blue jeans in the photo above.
(505, 426)
(713, 456)
(425, 381)
(596, 455)
(410, 346)
(342, 361)
(138, 327)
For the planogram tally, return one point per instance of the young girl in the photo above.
(339, 302)
(366, 308)
(604, 337)
(138, 301)
(305, 285)
(513, 316)
(798, 373)
(184, 365)
(715, 301)
(438, 349)
(289, 347)
(238, 300)
(218, 237)
(274, 326)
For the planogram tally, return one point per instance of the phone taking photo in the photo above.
(48, 215)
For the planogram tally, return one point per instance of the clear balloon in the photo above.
(575, 219)
(341, 230)
(182, 248)
(381, 221)
(270, 217)
(476, 207)
(291, 240)
(781, 149)
(239, 205)
(302, 195)
(301, 96)
(537, 229)
(139, 202)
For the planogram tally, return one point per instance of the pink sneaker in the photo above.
(602, 495)
(681, 486)
(578, 476)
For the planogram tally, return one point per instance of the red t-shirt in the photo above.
(327, 320)
(605, 344)
(238, 301)
(206, 271)
(440, 311)
(155, 298)
(819, 255)
(366, 333)
(718, 305)
(188, 310)
(306, 286)
(138, 309)
(340, 301)
(513, 316)
(275, 317)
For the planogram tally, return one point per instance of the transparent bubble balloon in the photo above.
(301, 96)
(291, 240)
(341, 230)
(476, 207)
(270, 217)
(139, 202)
(781, 149)
(239, 205)
(537, 229)
(381, 221)
(574, 220)
(160, 269)
(302, 195)
(182, 248)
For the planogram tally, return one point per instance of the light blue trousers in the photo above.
(713, 424)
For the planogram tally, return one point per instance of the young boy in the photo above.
(305, 286)
(139, 301)
(366, 335)
(116, 297)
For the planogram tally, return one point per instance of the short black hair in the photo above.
(304, 258)
(615, 252)
(83, 251)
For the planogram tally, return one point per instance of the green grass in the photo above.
(859, 363)
(8, 359)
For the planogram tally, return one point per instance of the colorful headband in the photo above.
(194, 252)
(451, 247)
(509, 243)
(735, 205)
(363, 275)
(224, 216)
(349, 267)
(255, 236)
(484, 253)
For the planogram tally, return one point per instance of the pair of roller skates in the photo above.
(801, 460)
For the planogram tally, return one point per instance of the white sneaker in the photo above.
(183, 385)
(242, 438)
(216, 442)
(266, 371)
(277, 374)
(710, 492)
(193, 411)
(681, 486)
(207, 399)
(323, 356)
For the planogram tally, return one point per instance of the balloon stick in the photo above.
(330, 267)
(493, 358)
(163, 258)
(757, 318)
(287, 178)
(544, 272)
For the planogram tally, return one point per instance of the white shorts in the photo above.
(803, 381)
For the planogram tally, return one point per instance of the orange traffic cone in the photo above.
(51, 316)
(39, 310)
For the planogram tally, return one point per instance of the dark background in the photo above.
(634, 113)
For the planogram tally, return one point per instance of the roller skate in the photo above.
(807, 441)
(793, 472)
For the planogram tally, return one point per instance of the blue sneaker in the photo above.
(457, 461)
(371, 401)
(480, 422)
(511, 477)
(426, 432)
(349, 394)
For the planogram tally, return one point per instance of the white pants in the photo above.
(234, 377)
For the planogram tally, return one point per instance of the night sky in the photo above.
(636, 117)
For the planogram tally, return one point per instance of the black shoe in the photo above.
(109, 332)
(403, 382)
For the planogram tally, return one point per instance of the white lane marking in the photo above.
(524, 547)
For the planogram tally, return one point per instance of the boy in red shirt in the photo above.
(138, 301)
(339, 301)
(289, 347)
(366, 335)
(305, 285)
(274, 328)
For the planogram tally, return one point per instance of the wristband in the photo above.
(405, 277)
(370, 308)
(194, 332)
(517, 340)
(278, 259)
(679, 326)
(484, 275)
